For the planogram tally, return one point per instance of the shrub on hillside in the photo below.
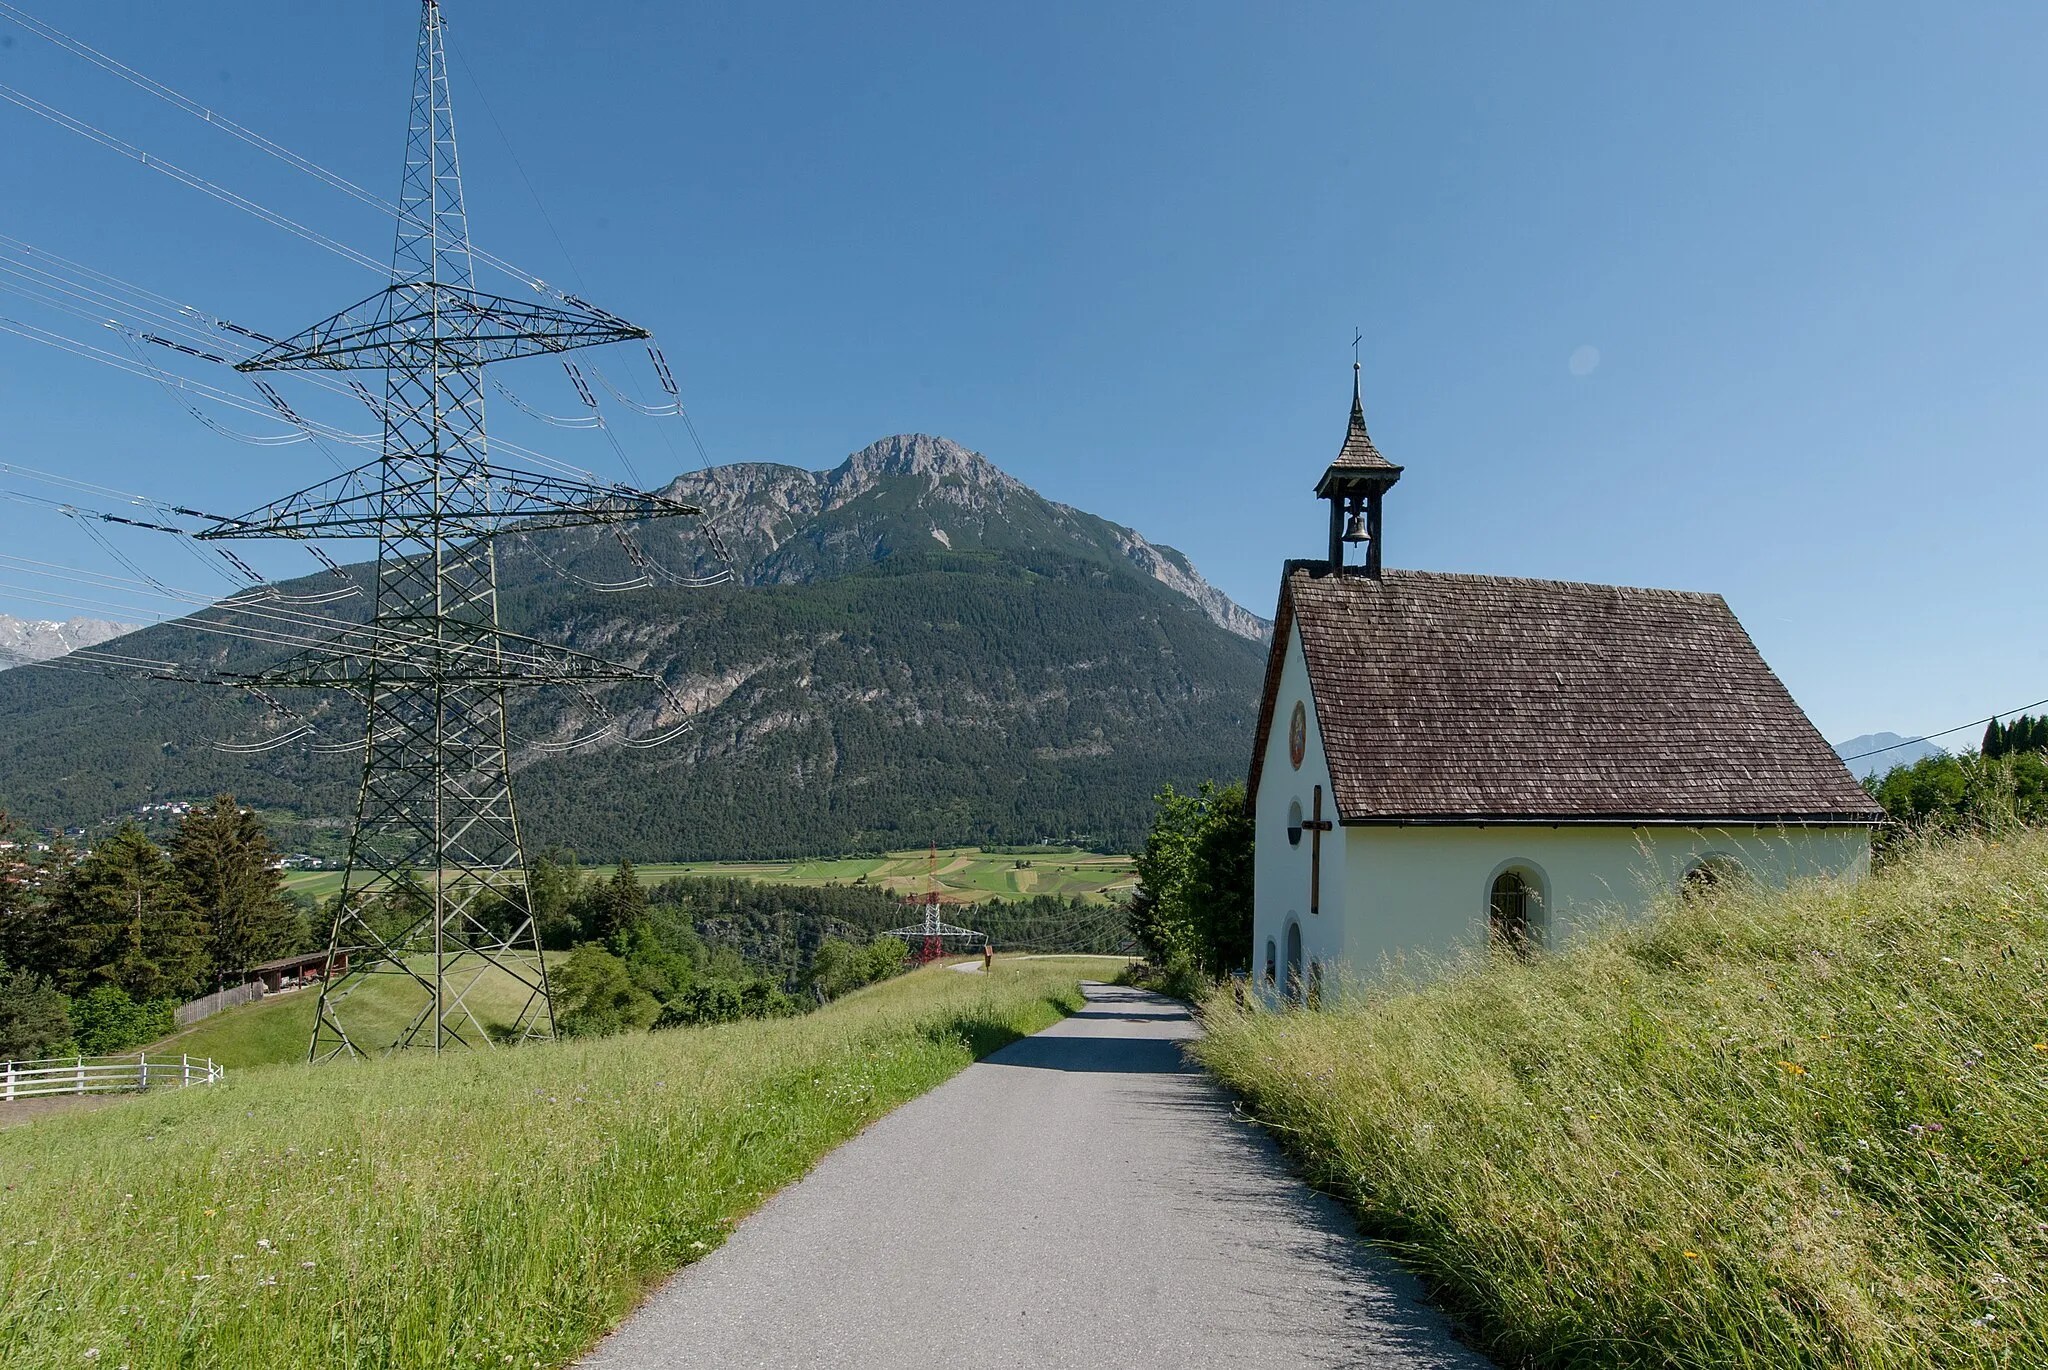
(726, 1001)
(106, 1021)
(596, 995)
(839, 967)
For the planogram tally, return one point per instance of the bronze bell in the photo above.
(1354, 531)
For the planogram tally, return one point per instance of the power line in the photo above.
(188, 178)
(1947, 731)
(215, 119)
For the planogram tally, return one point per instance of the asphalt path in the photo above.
(1080, 1198)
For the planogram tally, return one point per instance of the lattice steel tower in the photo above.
(928, 935)
(435, 894)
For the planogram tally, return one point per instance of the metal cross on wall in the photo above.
(1317, 826)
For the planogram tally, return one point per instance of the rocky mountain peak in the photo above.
(31, 639)
(790, 526)
(941, 463)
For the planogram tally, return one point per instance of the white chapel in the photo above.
(1444, 761)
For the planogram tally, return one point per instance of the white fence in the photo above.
(105, 1074)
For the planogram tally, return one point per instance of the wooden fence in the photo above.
(218, 1002)
(105, 1074)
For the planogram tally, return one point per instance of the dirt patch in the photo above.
(17, 1111)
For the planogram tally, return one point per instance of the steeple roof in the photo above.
(1359, 462)
(1358, 449)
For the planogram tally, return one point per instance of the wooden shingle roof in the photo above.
(1465, 699)
(1357, 460)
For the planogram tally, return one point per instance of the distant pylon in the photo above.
(435, 896)
(929, 936)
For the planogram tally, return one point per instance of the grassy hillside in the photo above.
(966, 874)
(489, 1209)
(1804, 1129)
(276, 1028)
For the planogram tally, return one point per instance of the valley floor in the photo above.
(966, 875)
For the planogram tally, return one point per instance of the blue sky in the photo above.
(1122, 249)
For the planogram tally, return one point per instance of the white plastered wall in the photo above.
(1280, 871)
(1425, 890)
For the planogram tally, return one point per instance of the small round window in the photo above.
(1294, 824)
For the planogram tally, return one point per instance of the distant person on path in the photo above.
(988, 957)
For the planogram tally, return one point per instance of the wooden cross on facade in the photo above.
(1317, 826)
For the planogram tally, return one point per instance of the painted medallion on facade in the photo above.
(1297, 734)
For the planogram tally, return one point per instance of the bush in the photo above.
(35, 1019)
(105, 1021)
(726, 1001)
(839, 967)
(596, 995)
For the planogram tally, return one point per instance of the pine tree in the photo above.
(224, 858)
(621, 905)
(1994, 740)
(34, 1018)
(125, 919)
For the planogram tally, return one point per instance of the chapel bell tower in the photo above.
(1353, 486)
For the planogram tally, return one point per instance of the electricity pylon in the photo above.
(435, 895)
(928, 935)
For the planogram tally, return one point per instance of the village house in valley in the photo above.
(1447, 759)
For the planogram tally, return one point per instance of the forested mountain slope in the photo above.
(916, 647)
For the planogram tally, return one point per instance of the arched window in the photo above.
(1294, 824)
(1515, 913)
(1294, 962)
(1709, 873)
(1272, 963)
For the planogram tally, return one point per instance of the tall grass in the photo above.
(1804, 1128)
(495, 1209)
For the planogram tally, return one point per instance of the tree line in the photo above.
(97, 949)
(1971, 792)
(2024, 734)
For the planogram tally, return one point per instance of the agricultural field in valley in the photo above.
(966, 875)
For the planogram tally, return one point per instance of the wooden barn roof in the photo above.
(1468, 699)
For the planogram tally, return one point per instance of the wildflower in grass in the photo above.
(1692, 1255)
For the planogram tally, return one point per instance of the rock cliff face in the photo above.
(915, 646)
(787, 526)
(23, 640)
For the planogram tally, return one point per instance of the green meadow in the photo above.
(965, 874)
(276, 1028)
(1804, 1128)
(494, 1208)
